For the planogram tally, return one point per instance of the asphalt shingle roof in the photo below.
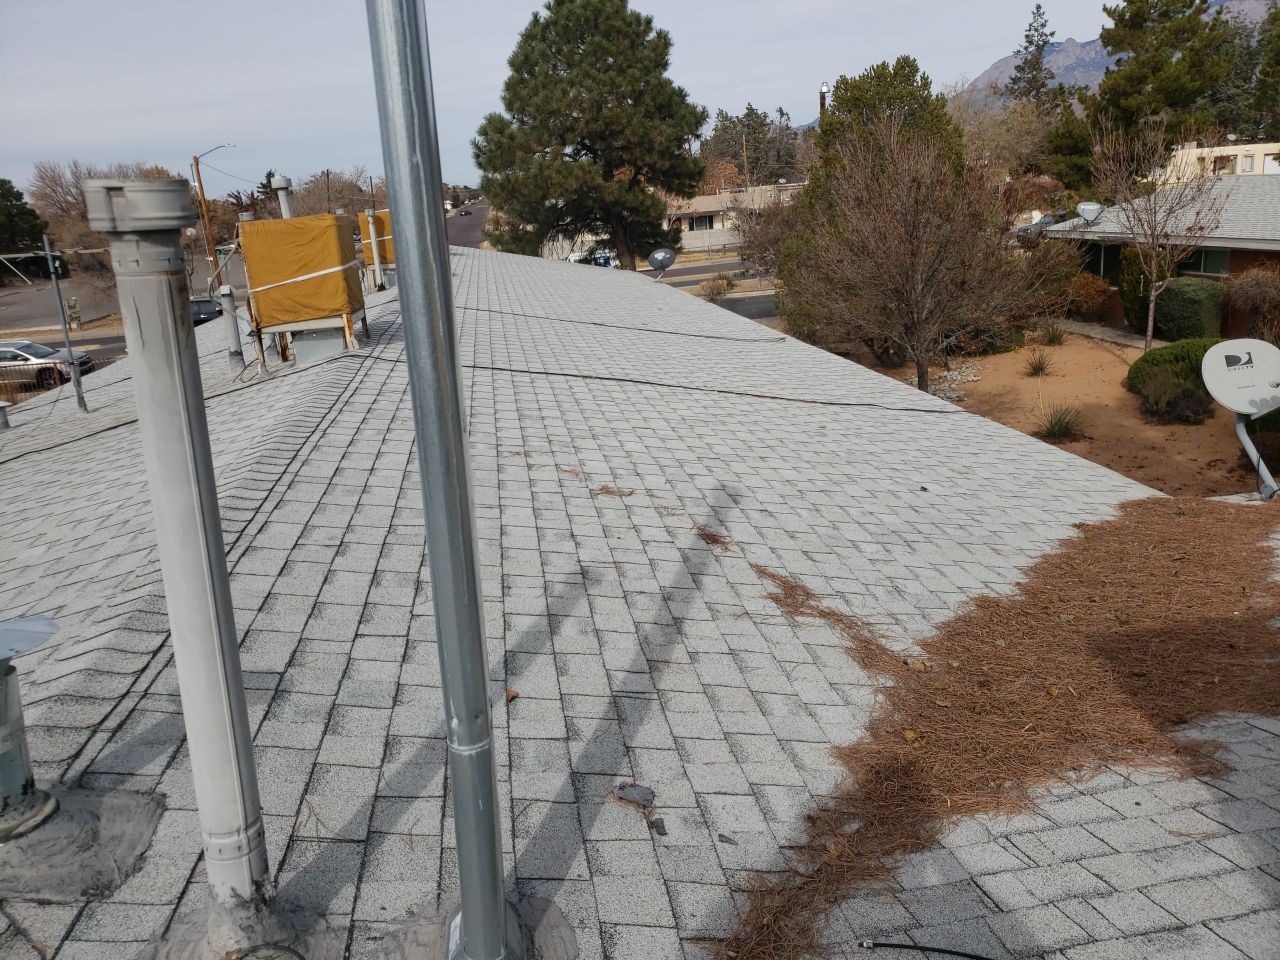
(637, 650)
(1250, 217)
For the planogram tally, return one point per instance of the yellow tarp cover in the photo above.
(386, 239)
(320, 248)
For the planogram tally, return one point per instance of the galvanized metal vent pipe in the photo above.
(142, 220)
(23, 806)
(283, 187)
(410, 151)
(372, 217)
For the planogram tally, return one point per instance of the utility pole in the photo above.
(66, 331)
(143, 220)
(480, 929)
(210, 247)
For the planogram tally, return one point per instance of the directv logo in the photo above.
(1235, 362)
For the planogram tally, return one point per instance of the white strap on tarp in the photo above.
(306, 276)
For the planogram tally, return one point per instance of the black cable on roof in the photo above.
(941, 951)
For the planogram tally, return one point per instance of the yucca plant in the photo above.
(1038, 364)
(1061, 422)
(1052, 335)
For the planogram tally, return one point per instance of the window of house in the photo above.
(701, 223)
(1271, 163)
(1224, 165)
(1214, 261)
(1246, 163)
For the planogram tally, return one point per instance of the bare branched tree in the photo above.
(911, 253)
(56, 194)
(1165, 213)
(762, 232)
(1008, 137)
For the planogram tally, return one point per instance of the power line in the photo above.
(210, 166)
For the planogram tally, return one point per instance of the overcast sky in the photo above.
(290, 83)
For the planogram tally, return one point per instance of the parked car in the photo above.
(203, 310)
(1032, 233)
(22, 361)
(464, 212)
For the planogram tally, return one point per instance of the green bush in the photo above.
(1184, 357)
(1189, 307)
(1087, 297)
(1133, 288)
(1169, 396)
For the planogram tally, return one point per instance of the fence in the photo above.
(23, 379)
(709, 241)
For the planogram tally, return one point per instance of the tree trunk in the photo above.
(1151, 316)
(922, 374)
(623, 248)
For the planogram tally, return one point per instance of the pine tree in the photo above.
(761, 146)
(1171, 55)
(1230, 104)
(1266, 88)
(264, 190)
(593, 135)
(1032, 79)
(20, 226)
(900, 90)
(1067, 151)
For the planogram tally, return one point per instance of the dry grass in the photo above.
(1088, 666)
(573, 473)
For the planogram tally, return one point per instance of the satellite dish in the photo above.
(1089, 211)
(661, 259)
(20, 635)
(1243, 375)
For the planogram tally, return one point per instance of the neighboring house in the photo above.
(1248, 235)
(632, 648)
(711, 219)
(1235, 158)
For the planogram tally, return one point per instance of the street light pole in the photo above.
(211, 247)
(411, 154)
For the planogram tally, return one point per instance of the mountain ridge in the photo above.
(1083, 63)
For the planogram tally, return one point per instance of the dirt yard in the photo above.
(1199, 460)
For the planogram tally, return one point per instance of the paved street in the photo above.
(467, 231)
(757, 306)
(754, 306)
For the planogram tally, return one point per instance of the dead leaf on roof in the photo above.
(713, 538)
(609, 490)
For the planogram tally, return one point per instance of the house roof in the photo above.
(637, 650)
(716, 202)
(1250, 217)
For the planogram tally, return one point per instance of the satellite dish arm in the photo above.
(1266, 483)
